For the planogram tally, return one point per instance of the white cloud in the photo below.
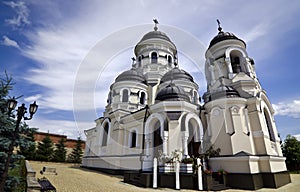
(297, 136)
(291, 109)
(72, 129)
(9, 42)
(22, 12)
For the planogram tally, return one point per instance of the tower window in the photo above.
(170, 60)
(133, 142)
(269, 125)
(105, 134)
(140, 61)
(143, 98)
(154, 57)
(125, 95)
(195, 97)
(236, 66)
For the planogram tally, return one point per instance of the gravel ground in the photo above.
(72, 178)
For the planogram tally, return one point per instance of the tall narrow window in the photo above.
(140, 61)
(143, 98)
(105, 134)
(269, 125)
(133, 139)
(195, 97)
(236, 66)
(154, 57)
(125, 95)
(169, 60)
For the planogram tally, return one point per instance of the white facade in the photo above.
(153, 109)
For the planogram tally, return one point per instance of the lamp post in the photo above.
(12, 103)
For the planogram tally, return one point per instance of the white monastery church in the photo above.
(153, 110)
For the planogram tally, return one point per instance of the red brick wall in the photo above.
(55, 138)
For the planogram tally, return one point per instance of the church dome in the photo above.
(152, 37)
(172, 93)
(176, 74)
(155, 35)
(131, 75)
(222, 36)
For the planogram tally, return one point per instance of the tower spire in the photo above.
(219, 24)
(155, 24)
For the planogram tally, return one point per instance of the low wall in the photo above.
(32, 184)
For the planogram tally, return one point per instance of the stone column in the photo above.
(200, 184)
(165, 142)
(229, 67)
(184, 138)
(147, 142)
(177, 168)
(155, 173)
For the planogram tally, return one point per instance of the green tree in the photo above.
(291, 150)
(45, 150)
(76, 154)
(29, 151)
(10, 137)
(60, 151)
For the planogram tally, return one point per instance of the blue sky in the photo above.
(44, 45)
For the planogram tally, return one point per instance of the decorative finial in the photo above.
(219, 24)
(155, 24)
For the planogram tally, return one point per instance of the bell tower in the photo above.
(240, 117)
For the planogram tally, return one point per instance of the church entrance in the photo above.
(193, 144)
(193, 148)
(158, 142)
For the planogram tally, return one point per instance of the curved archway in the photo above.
(156, 133)
(192, 134)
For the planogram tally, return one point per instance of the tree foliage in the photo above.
(45, 150)
(76, 154)
(60, 151)
(291, 150)
(29, 151)
(7, 133)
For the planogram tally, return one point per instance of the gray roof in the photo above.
(176, 74)
(131, 75)
(172, 93)
(224, 36)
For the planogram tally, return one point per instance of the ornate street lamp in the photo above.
(11, 105)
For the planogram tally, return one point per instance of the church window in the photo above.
(170, 60)
(143, 98)
(105, 134)
(125, 95)
(153, 57)
(195, 97)
(235, 57)
(133, 139)
(269, 125)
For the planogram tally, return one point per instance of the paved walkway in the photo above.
(72, 178)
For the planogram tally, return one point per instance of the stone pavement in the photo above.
(72, 178)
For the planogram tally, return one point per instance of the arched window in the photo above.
(133, 139)
(170, 60)
(153, 57)
(235, 57)
(269, 125)
(125, 95)
(105, 134)
(143, 98)
(195, 97)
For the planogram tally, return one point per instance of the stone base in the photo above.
(257, 181)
